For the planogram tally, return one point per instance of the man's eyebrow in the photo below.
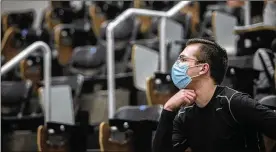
(182, 56)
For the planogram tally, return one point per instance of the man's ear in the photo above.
(205, 68)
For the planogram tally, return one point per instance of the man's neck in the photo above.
(204, 91)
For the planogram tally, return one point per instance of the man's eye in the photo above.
(183, 59)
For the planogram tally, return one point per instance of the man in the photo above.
(204, 115)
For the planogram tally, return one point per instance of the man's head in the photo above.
(206, 59)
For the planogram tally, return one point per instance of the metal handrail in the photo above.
(247, 12)
(47, 70)
(110, 45)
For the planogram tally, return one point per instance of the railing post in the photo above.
(162, 46)
(247, 13)
(110, 71)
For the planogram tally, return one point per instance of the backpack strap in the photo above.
(268, 67)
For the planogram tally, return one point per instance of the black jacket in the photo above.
(229, 122)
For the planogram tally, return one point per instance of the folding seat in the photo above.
(159, 88)
(93, 66)
(189, 17)
(19, 19)
(32, 68)
(145, 54)
(56, 137)
(9, 47)
(139, 113)
(123, 33)
(144, 63)
(87, 60)
(97, 17)
(131, 129)
(15, 97)
(15, 40)
(108, 8)
(74, 82)
(58, 15)
(101, 11)
(206, 25)
(66, 127)
(107, 143)
(17, 32)
(67, 37)
(18, 112)
(223, 25)
(64, 42)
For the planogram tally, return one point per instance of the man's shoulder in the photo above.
(229, 93)
(237, 99)
(234, 96)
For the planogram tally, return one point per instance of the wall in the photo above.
(38, 6)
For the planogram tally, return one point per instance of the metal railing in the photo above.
(247, 12)
(47, 70)
(110, 45)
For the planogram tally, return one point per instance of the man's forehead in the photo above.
(190, 51)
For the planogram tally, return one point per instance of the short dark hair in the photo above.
(212, 53)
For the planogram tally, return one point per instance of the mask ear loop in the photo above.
(195, 76)
(196, 66)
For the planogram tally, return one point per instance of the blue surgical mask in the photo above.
(179, 75)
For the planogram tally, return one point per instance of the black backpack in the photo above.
(267, 58)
